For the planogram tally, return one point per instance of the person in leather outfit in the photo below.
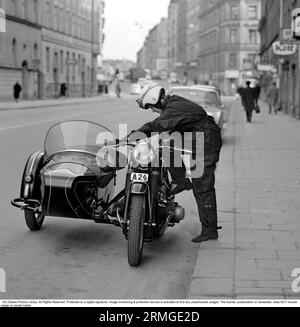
(182, 115)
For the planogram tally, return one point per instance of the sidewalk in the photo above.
(30, 104)
(258, 191)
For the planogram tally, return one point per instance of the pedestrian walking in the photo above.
(248, 101)
(239, 92)
(118, 86)
(17, 91)
(257, 90)
(63, 90)
(273, 97)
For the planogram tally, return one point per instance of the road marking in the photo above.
(2, 129)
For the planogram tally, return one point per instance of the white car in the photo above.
(208, 98)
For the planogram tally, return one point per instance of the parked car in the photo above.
(207, 97)
(209, 87)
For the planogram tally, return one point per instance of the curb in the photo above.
(53, 103)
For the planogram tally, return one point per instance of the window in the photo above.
(252, 57)
(13, 8)
(232, 60)
(74, 59)
(35, 51)
(48, 14)
(79, 64)
(233, 35)
(56, 18)
(253, 36)
(48, 59)
(35, 10)
(14, 51)
(55, 60)
(252, 12)
(234, 12)
(62, 61)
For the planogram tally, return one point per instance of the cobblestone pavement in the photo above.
(258, 190)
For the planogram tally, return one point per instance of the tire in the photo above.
(136, 230)
(33, 221)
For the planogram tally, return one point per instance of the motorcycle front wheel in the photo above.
(136, 230)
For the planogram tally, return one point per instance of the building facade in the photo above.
(20, 48)
(287, 67)
(172, 34)
(192, 46)
(181, 38)
(229, 42)
(153, 56)
(70, 46)
(48, 43)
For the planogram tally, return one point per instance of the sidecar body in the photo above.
(67, 179)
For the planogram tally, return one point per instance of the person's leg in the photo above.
(179, 181)
(250, 115)
(270, 108)
(205, 196)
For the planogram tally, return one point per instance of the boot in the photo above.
(207, 233)
(178, 187)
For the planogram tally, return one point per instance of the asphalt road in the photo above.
(76, 259)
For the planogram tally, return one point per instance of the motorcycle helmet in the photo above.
(150, 96)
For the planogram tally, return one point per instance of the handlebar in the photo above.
(133, 144)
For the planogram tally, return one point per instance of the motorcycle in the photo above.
(75, 177)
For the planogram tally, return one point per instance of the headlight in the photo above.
(143, 154)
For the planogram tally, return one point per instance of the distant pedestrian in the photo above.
(248, 101)
(273, 97)
(17, 91)
(100, 88)
(118, 86)
(257, 90)
(63, 90)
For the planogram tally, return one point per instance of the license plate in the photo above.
(137, 177)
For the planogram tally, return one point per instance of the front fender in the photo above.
(139, 188)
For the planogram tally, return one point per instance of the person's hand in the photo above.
(112, 142)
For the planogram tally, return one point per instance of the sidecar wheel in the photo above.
(136, 230)
(33, 221)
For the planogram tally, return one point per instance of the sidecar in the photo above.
(66, 179)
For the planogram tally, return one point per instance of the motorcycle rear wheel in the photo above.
(136, 230)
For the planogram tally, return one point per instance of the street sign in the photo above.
(2, 21)
(266, 68)
(296, 23)
(284, 49)
(71, 62)
(287, 34)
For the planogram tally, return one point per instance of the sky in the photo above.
(127, 23)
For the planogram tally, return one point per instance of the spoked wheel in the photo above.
(136, 230)
(34, 221)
